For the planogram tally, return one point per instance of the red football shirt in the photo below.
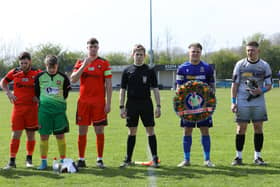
(23, 85)
(92, 81)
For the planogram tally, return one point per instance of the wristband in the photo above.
(121, 106)
(233, 100)
(158, 106)
(264, 89)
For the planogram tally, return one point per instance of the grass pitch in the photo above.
(169, 136)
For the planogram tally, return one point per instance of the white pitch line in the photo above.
(151, 171)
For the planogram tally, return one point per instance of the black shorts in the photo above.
(140, 108)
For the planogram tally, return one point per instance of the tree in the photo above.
(117, 58)
(224, 61)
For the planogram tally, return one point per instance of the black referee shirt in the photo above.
(138, 80)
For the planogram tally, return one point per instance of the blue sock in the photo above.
(187, 143)
(205, 141)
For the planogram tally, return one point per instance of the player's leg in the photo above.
(153, 145)
(206, 140)
(187, 142)
(17, 128)
(243, 117)
(100, 140)
(131, 123)
(258, 142)
(147, 117)
(14, 146)
(83, 120)
(239, 142)
(30, 146)
(31, 125)
(44, 147)
(82, 143)
(61, 145)
(259, 116)
(46, 122)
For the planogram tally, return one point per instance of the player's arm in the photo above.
(235, 85)
(211, 80)
(4, 85)
(124, 83)
(76, 75)
(154, 85)
(157, 99)
(108, 89)
(122, 100)
(66, 86)
(37, 87)
(267, 82)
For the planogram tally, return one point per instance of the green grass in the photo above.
(169, 136)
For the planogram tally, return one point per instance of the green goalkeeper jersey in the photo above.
(52, 90)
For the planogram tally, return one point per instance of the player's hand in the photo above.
(123, 113)
(107, 108)
(88, 60)
(35, 99)
(157, 112)
(11, 97)
(256, 91)
(234, 108)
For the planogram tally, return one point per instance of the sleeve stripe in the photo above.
(108, 72)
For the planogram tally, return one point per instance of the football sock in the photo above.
(61, 147)
(187, 143)
(14, 145)
(206, 143)
(130, 147)
(258, 141)
(100, 144)
(44, 146)
(239, 154)
(257, 155)
(30, 145)
(239, 142)
(153, 144)
(82, 143)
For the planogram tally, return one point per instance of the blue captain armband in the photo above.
(233, 100)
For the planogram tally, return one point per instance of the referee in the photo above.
(137, 80)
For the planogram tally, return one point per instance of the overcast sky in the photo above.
(119, 24)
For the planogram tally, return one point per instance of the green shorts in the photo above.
(53, 123)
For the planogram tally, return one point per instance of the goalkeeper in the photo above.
(51, 88)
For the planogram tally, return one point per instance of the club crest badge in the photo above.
(144, 79)
(91, 68)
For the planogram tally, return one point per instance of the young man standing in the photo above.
(137, 80)
(195, 69)
(52, 89)
(251, 79)
(94, 102)
(25, 106)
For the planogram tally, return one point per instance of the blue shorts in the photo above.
(251, 113)
(206, 123)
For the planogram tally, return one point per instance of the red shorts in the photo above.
(24, 117)
(88, 113)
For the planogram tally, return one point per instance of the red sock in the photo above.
(14, 145)
(82, 143)
(100, 144)
(30, 145)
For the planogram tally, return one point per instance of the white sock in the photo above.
(99, 158)
(257, 154)
(239, 154)
(81, 158)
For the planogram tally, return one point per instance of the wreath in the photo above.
(194, 101)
